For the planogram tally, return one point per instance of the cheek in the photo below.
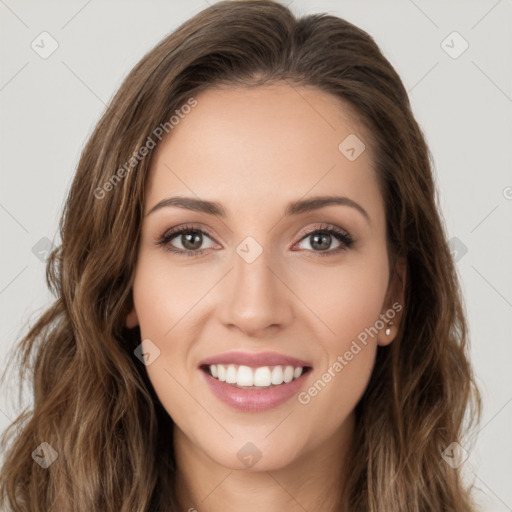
(168, 299)
(347, 298)
(164, 293)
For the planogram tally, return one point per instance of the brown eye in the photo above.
(186, 241)
(191, 240)
(320, 241)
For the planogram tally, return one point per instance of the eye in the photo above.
(321, 238)
(188, 241)
(185, 241)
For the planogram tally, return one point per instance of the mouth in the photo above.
(261, 377)
(253, 382)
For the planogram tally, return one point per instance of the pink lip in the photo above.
(255, 360)
(250, 400)
(254, 400)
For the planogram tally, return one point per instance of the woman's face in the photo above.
(257, 284)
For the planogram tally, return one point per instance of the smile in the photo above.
(246, 377)
(255, 382)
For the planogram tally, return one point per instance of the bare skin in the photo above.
(254, 151)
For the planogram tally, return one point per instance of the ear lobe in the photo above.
(132, 320)
(394, 304)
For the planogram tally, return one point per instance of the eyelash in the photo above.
(341, 235)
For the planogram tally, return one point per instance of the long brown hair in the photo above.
(93, 402)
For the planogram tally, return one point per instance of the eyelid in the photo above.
(322, 226)
(176, 230)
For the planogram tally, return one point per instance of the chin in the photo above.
(252, 453)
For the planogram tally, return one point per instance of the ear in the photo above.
(132, 320)
(392, 312)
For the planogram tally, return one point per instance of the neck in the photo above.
(314, 481)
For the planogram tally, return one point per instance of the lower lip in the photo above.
(254, 400)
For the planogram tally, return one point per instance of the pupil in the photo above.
(326, 238)
(192, 241)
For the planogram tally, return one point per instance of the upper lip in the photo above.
(255, 359)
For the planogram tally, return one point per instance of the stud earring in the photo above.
(388, 330)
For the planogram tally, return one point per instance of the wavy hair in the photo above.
(92, 399)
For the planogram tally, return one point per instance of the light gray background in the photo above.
(464, 104)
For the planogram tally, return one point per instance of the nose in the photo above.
(255, 299)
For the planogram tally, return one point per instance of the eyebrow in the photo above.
(293, 208)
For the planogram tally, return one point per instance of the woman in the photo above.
(255, 302)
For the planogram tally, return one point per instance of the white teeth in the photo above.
(231, 374)
(244, 376)
(221, 370)
(263, 376)
(277, 375)
(288, 374)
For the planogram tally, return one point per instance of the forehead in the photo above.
(246, 147)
